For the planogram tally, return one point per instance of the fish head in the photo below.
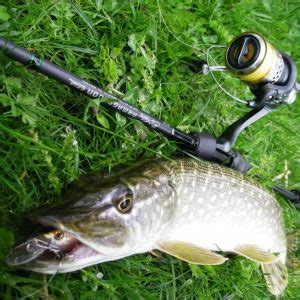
(102, 220)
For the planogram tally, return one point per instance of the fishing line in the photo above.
(84, 18)
(169, 30)
(210, 71)
(215, 79)
(56, 251)
(45, 285)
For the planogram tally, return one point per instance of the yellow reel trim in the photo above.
(263, 70)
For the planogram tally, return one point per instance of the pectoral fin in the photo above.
(191, 253)
(255, 253)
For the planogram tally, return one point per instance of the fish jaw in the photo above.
(109, 238)
(70, 264)
(80, 256)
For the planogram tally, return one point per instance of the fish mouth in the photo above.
(37, 255)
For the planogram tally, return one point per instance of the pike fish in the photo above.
(193, 210)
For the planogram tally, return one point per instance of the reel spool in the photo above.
(255, 61)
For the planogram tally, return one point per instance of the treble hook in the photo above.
(45, 246)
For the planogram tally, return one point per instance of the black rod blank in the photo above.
(193, 142)
(49, 69)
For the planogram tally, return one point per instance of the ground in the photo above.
(138, 50)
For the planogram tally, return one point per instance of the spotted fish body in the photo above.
(191, 209)
(220, 209)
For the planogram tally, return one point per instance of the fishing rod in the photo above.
(32, 61)
(271, 76)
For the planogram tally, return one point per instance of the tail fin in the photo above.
(276, 276)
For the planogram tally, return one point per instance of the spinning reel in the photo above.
(270, 74)
(271, 77)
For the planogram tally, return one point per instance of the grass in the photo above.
(136, 50)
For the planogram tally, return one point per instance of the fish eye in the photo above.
(58, 235)
(125, 204)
